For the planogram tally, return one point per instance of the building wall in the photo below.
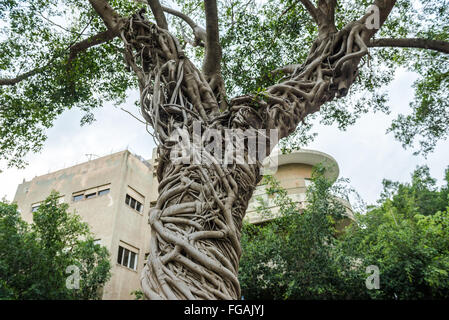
(291, 177)
(294, 174)
(109, 218)
(131, 229)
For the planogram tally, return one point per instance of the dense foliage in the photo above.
(407, 237)
(36, 260)
(296, 255)
(256, 36)
(303, 256)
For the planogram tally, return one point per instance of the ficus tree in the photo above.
(240, 65)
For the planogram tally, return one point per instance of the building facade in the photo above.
(294, 172)
(111, 194)
(114, 193)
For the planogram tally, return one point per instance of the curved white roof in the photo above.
(303, 156)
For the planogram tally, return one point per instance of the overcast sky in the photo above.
(365, 153)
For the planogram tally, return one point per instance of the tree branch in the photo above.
(158, 13)
(110, 18)
(75, 49)
(23, 76)
(55, 24)
(328, 72)
(324, 15)
(213, 49)
(385, 7)
(198, 31)
(311, 9)
(437, 45)
(213, 54)
(97, 39)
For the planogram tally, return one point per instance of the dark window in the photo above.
(132, 260)
(91, 195)
(133, 203)
(127, 258)
(103, 192)
(120, 254)
(78, 197)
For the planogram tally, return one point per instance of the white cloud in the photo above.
(366, 154)
(69, 144)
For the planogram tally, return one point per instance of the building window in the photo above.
(133, 203)
(78, 197)
(120, 255)
(103, 192)
(91, 193)
(128, 199)
(127, 258)
(35, 206)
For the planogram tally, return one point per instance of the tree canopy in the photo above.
(62, 54)
(38, 259)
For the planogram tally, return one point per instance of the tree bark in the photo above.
(195, 225)
(419, 43)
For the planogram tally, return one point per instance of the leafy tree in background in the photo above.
(298, 256)
(421, 195)
(34, 258)
(407, 237)
(295, 255)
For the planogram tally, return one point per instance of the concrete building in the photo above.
(294, 173)
(113, 194)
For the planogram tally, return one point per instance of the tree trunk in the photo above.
(196, 223)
